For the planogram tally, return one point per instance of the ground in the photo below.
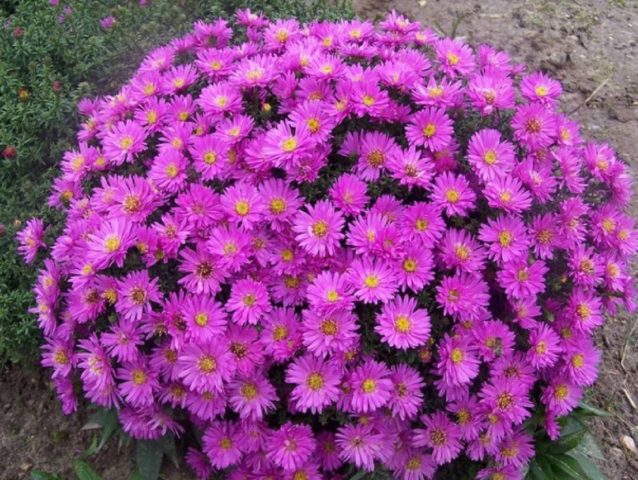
(592, 47)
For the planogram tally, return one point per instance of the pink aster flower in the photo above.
(423, 222)
(221, 445)
(545, 347)
(411, 168)
(282, 202)
(248, 302)
(330, 292)
(348, 193)
(463, 296)
(110, 243)
(402, 325)
(319, 230)
(534, 126)
(507, 193)
(584, 308)
(415, 268)
(206, 366)
(316, 383)
(375, 151)
(430, 128)
(581, 361)
(30, 239)
(135, 292)
(461, 251)
(490, 90)
(489, 155)
(251, 396)
(139, 383)
(538, 87)
(455, 57)
(281, 336)
(205, 318)
(371, 386)
(520, 280)
(124, 142)
(507, 238)
(457, 363)
(329, 333)
(407, 396)
(291, 446)
(453, 194)
(202, 274)
(516, 450)
(441, 435)
(561, 395)
(243, 205)
(507, 399)
(372, 280)
(361, 445)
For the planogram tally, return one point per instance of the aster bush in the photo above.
(316, 249)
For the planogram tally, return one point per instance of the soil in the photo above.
(592, 47)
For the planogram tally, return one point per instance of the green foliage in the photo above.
(46, 66)
(570, 457)
(83, 471)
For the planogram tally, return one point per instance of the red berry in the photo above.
(9, 151)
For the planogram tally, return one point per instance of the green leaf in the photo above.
(84, 471)
(149, 455)
(40, 475)
(589, 410)
(590, 469)
(537, 472)
(108, 421)
(568, 442)
(589, 448)
(167, 444)
(567, 467)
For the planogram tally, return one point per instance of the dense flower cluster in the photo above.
(330, 243)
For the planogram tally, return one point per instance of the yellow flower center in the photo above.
(457, 355)
(452, 195)
(320, 229)
(452, 58)
(249, 300)
(280, 332)
(462, 252)
(368, 100)
(505, 238)
(287, 255)
(409, 265)
(438, 437)
(371, 281)
(561, 392)
(315, 381)
(201, 319)
(402, 324)
(207, 364)
(490, 157)
(313, 125)
(225, 443)
(248, 391)
(504, 401)
(332, 296)
(522, 275)
(429, 130)
(376, 158)
(578, 360)
(289, 144)
(126, 142)
(328, 327)
(112, 243)
(541, 90)
(369, 386)
(242, 208)
(138, 377)
(172, 171)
